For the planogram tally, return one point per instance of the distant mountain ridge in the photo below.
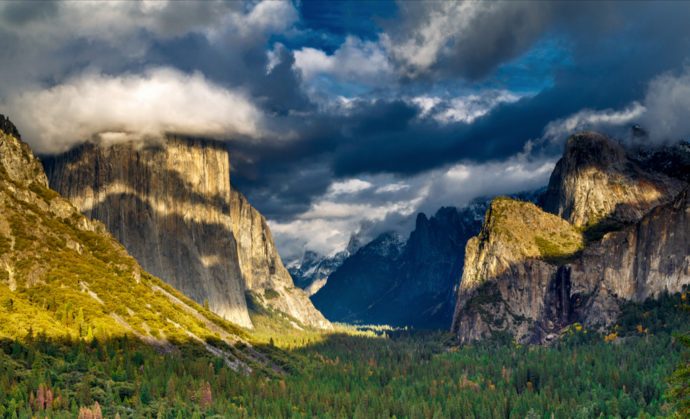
(312, 270)
(409, 282)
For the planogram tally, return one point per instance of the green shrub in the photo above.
(270, 294)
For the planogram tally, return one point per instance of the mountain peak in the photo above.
(8, 127)
(592, 149)
(16, 157)
(596, 179)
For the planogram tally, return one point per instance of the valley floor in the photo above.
(360, 374)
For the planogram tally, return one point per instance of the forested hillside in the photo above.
(344, 374)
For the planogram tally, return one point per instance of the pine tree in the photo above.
(206, 397)
(41, 398)
(97, 411)
(85, 413)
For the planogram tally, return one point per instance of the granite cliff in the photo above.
(172, 206)
(624, 236)
(64, 275)
(597, 179)
(416, 284)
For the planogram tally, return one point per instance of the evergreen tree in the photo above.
(680, 382)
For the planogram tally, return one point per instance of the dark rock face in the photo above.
(671, 160)
(347, 294)
(389, 281)
(172, 206)
(430, 266)
(508, 287)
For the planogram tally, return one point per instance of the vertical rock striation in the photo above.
(172, 206)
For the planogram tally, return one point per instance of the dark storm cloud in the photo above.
(614, 55)
(304, 136)
(246, 65)
(470, 39)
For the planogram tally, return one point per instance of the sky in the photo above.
(348, 118)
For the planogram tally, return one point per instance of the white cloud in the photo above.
(272, 16)
(588, 119)
(267, 16)
(273, 56)
(663, 113)
(349, 186)
(425, 104)
(439, 24)
(668, 107)
(355, 61)
(382, 202)
(112, 21)
(131, 106)
(465, 108)
(392, 187)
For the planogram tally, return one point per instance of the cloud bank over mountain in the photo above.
(311, 98)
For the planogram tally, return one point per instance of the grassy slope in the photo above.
(531, 232)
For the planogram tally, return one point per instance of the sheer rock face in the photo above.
(49, 249)
(512, 282)
(361, 283)
(598, 179)
(173, 207)
(641, 261)
(404, 283)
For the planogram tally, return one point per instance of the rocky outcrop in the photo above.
(508, 269)
(517, 290)
(528, 274)
(8, 128)
(598, 179)
(673, 160)
(16, 157)
(638, 262)
(172, 206)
